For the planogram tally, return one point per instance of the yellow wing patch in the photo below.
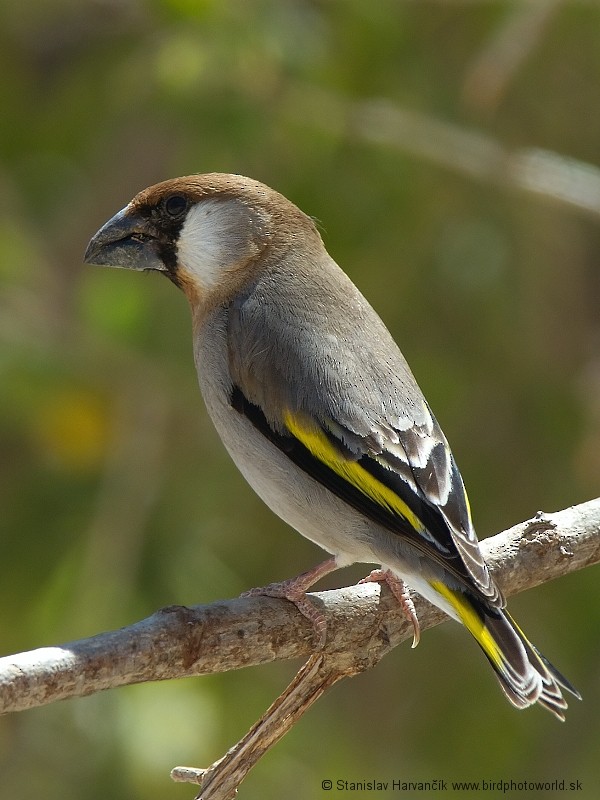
(319, 446)
(472, 621)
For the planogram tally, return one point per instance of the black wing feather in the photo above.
(439, 543)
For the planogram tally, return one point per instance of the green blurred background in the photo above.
(451, 153)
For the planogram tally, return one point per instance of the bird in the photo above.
(319, 409)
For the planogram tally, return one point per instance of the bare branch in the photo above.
(510, 44)
(364, 623)
(545, 174)
(363, 620)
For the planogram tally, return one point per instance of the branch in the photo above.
(545, 174)
(363, 624)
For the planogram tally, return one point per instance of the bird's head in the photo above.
(209, 234)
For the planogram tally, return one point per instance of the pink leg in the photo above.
(295, 590)
(401, 593)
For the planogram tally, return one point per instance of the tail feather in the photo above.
(525, 675)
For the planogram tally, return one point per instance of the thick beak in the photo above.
(124, 242)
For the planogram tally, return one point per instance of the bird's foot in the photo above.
(294, 590)
(400, 591)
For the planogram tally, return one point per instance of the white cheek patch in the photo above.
(216, 235)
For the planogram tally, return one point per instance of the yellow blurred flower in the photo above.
(72, 430)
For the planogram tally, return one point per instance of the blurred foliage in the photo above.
(116, 495)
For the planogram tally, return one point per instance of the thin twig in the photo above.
(222, 779)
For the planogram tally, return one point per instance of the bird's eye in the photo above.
(175, 205)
